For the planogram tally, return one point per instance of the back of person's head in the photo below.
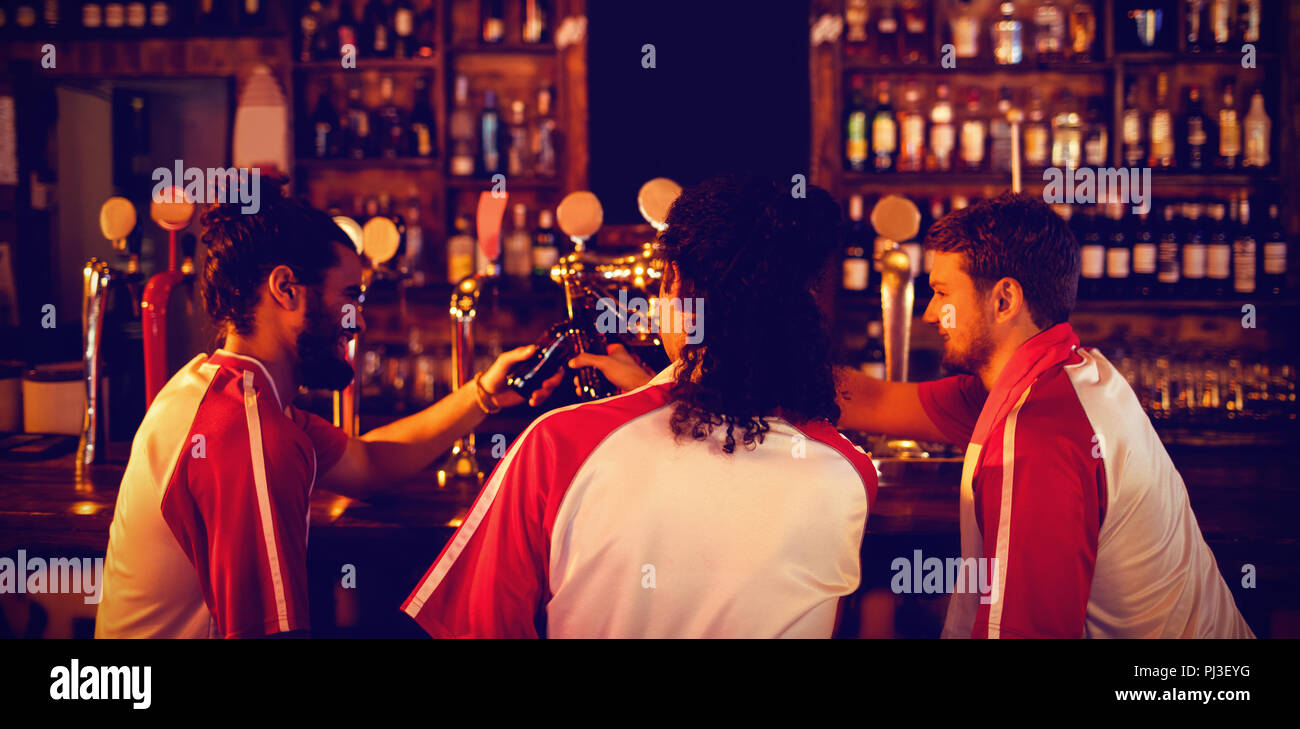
(1015, 235)
(243, 249)
(753, 252)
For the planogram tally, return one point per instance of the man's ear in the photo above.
(284, 289)
(1008, 299)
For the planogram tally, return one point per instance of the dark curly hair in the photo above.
(243, 249)
(753, 251)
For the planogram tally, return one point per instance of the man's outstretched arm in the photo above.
(878, 406)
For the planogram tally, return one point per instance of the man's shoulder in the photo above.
(592, 421)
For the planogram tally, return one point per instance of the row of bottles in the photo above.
(972, 138)
(380, 29)
(520, 142)
(104, 20)
(1180, 249)
(534, 21)
(1208, 26)
(387, 131)
(1229, 138)
(860, 276)
(525, 255)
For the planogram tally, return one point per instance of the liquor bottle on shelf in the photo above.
(856, 269)
(1258, 133)
(378, 39)
(887, 34)
(1092, 253)
(251, 13)
(1008, 48)
(357, 137)
(1131, 126)
(324, 128)
(1249, 20)
(518, 158)
(1273, 280)
(518, 248)
(536, 27)
(425, 38)
(1168, 255)
(855, 125)
(494, 21)
(413, 257)
(544, 133)
(1162, 127)
(974, 133)
(325, 38)
(546, 249)
(1067, 132)
(404, 38)
(1196, 133)
(916, 38)
(460, 252)
(1000, 134)
(1245, 255)
(1049, 32)
(1194, 25)
(1038, 139)
(1119, 254)
(856, 40)
(964, 29)
(489, 129)
(884, 131)
(943, 136)
(389, 127)
(1221, 25)
(1194, 251)
(347, 29)
(460, 128)
(1082, 28)
(1229, 156)
(1144, 257)
(1096, 139)
(423, 129)
(309, 25)
(1218, 254)
(911, 131)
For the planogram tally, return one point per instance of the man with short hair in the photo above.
(209, 536)
(1065, 484)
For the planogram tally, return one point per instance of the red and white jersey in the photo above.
(598, 523)
(1068, 486)
(209, 537)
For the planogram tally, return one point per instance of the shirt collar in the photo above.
(243, 362)
(667, 374)
(1039, 353)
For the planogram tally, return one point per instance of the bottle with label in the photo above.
(855, 126)
(1008, 48)
(1222, 14)
(546, 249)
(887, 34)
(1049, 32)
(964, 27)
(1194, 25)
(536, 21)
(873, 355)
(426, 32)
(856, 41)
(1067, 132)
(490, 137)
(1119, 254)
(911, 126)
(1131, 126)
(1000, 134)
(348, 29)
(856, 268)
(1089, 229)
(1273, 279)
(1082, 32)
(1162, 127)
(359, 142)
(493, 22)
(460, 252)
(403, 27)
(324, 128)
(1229, 156)
(1249, 20)
(916, 38)
(389, 126)
(1245, 256)
(518, 245)
(1196, 133)
(460, 127)
(378, 35)
(1096, 139)
(544, 137)
(518, 156)
(884, 131)
(310, 25)
(943, 136)
(1195, 252)
(1144, 257)
(1218, 253)
(423, 132)
(974, 134)
(1168, 262)
(1038, 140)
(413, 257)
(1258, 133)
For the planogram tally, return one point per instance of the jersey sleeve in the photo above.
(490, 581)
(1040, 530)
(329, 441)
(953, 404)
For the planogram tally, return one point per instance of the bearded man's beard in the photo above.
(977, 354)
(319, 366)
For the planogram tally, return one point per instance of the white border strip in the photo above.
(1004, 513)
(264, 498)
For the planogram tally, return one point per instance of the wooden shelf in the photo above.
(405, 163)
(543, 49)
(967, 67)
(431, 63)
(523, 183)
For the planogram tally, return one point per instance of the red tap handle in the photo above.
(154, 320)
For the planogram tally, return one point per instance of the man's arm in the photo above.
(879, 406)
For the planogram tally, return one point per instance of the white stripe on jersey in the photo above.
(264, 499)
